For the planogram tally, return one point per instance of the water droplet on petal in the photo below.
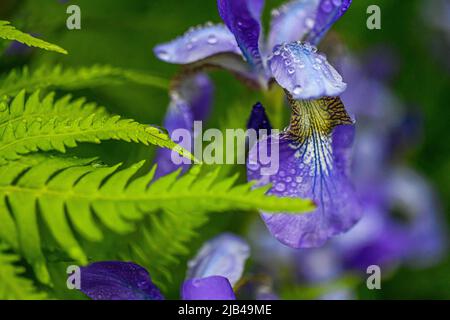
(297, 90)
(163, 55)
(327, 6)
(280, 187)
(212, 39)
(309, 23)
(291, 70)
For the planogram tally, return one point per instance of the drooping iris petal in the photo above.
(190, 102)
(328, 12)
(115, 280)
(292, 21)
(243, 19)
(308, 169)
(210, 288)
(306, 74)
(197, 44)
(223, 256)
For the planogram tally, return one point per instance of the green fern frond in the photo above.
(32, 125)
(74, 78)
(9, 32)
(12, 285)
(173, 229)
(67, 192)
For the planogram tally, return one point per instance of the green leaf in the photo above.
(30, 125)
(67, 192)
(12, 285)
(8, 32)
(74, 78)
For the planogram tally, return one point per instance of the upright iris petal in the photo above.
(223, 256)
(115, 280)
(328, 12)
(190, 102)
(311, 167)
(292, 22)
(299, 69)
(243, 19)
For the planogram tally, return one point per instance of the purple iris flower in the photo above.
(401, 221)
(313, 150)
(212, 273)
(190, 101)
(239, 46)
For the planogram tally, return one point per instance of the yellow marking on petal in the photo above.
(317, 117)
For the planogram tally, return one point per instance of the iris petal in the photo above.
(258, 119)
(328, 12)
(292, 22)
(197, 44)
(243, 18)
(309, 169)
(298, 68)
(115, 280)
(190, 101)
(223, 256)
(210, 288)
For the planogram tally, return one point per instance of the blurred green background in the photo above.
(123, 33)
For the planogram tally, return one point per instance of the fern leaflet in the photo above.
(9, 32)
